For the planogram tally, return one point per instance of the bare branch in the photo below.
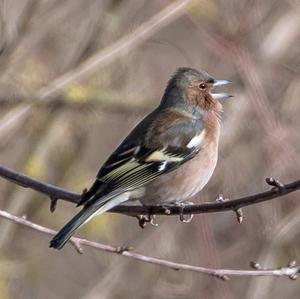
(291, 270)
(28, 182)
(278, 190)
(103, 57)
(161, 19)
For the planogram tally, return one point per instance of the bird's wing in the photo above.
(134, 165)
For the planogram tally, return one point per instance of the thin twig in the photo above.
(209, 207)
(104, 56)
(291, 270)
(161, 19)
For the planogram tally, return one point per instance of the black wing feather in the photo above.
(133, 165)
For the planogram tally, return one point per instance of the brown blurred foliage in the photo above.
(64, 138)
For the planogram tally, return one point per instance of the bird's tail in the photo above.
(62, 237)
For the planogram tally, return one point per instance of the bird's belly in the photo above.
(184, 182)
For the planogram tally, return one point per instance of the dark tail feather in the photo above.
(63, 236)
(96, 208)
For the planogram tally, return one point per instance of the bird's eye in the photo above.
(202, 86)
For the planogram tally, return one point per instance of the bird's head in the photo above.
(189, 88)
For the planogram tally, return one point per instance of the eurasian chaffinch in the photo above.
(167, 158)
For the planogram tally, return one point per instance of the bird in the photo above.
(166, 159)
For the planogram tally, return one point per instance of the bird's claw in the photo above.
(144, 219)
(186, 220)
(152, 218)
(167, 210)
(181, 206)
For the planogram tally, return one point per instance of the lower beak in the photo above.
(222, 95)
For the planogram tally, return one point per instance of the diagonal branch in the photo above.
(110, 53)
(104, 56)
(277, 190)
(291, 270)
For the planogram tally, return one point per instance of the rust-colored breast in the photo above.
(190, 178)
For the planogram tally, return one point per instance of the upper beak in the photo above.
(222, 95)
(221, 82)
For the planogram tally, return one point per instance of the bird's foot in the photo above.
(181, 216)
(145, 219)
(181, 206)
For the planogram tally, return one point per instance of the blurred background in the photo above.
(76, 76)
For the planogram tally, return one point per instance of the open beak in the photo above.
(222, 95)
(221, 82)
